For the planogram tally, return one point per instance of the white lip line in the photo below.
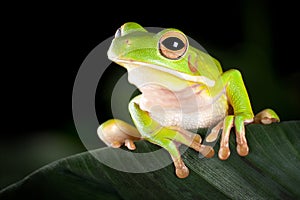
(201, 79)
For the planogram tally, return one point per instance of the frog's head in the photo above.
(167, 51)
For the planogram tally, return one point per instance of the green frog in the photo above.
(182, 89)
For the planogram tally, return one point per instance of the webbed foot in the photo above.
(266, 116)
(226, 125)
(115, 133)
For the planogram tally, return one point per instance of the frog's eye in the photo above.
(118, 33)
(173, 45)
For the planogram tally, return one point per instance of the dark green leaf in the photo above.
(270, 171)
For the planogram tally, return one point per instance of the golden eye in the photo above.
(173, 45)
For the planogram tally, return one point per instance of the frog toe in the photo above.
(224, 153)
(115, 144)
(242, 149)
(207, 151)
(129, 144)
(267, 120)
(266, 116)
(181, 170)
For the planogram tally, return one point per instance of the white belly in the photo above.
(191, 108)
(204, 118)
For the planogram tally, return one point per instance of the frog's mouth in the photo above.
(161, 73)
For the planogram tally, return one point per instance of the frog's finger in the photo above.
(224, 151)
(242, 146)
(213, 135)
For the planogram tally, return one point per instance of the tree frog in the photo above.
(182, 88)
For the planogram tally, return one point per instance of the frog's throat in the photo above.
(130, 64)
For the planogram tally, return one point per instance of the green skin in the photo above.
(178, 78)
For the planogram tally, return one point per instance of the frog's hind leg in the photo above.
(115, 133)
(192, 140)
(167, 137)
(181, 170)
(170, 137)
(266, 116)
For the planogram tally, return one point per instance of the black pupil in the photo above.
(173, 43)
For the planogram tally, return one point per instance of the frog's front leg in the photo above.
(167, 137)
(242, 113)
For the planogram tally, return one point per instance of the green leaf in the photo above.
(270, 171)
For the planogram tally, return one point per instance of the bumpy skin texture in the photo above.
(182, 88)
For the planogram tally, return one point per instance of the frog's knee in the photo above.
(115, 132)
(234, 73)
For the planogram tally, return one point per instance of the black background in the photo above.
(44, 45)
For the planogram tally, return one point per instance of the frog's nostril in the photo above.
(128, 42)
